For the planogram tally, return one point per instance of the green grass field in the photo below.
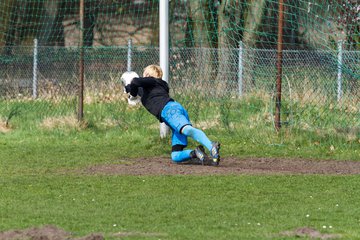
(176, 207)
(41, 181)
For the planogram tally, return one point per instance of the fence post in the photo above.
(129, 55)
(339, 73)
(241, 67)
(81, 64)
(35, 63)
(279, 66)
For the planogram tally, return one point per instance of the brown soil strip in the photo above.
(306, 232)
(228, 166)
(47, 232)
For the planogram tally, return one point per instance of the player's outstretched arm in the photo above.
(126, 80)
(144, 82)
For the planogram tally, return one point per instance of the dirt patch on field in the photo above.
(44, 233)
(307, 232)
(50, 232)
(233, 166)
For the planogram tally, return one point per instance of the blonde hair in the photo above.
(153, 71)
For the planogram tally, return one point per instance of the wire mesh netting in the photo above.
(311, 80)
(223, 60)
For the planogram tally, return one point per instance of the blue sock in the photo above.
(181, 156)
(197, 135)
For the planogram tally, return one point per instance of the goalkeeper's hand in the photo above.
(126, 80)
(133, 100)
(127, 77)
(127, 88)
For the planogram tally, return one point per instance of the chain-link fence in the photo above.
(318, 90)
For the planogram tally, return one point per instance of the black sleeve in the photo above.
(137, 83)
(133, 90)
(144, 82)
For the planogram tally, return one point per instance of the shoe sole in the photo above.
(216, 161)
(209, 161)
(204, 156)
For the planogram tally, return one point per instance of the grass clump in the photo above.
(63, 122)
(4, 126)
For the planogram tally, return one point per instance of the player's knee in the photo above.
(187, 130)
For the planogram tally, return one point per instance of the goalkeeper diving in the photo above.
(154, 93)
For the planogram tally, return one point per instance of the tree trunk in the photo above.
(47, 23)
(57, 35)
(155, 26)
(17, 25)
(90, 16)
(230, 29)
(11, 29)
(291, 25)
(200, 18)
(253, 21)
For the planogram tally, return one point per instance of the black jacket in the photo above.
(154, 93)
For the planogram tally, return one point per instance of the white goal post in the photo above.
(164, 50)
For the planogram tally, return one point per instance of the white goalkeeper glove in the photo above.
(126, 79)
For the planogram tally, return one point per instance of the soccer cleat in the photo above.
(215, 154)
(199, 153)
